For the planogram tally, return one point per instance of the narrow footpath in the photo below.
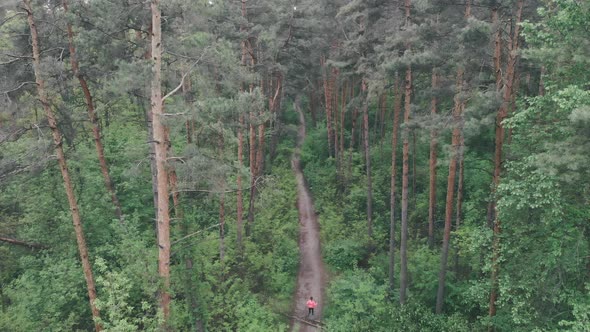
(311, 278)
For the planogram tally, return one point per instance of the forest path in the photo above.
(311, 279)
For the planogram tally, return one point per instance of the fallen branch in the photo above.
(23, 243)
(311, 323)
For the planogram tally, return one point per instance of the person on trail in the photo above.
(311, 304)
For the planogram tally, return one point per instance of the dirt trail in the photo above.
(311, 279)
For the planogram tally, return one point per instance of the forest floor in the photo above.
(311, 280)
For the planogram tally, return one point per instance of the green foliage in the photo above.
(117, 313)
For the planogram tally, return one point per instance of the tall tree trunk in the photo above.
(161, 149)
(450, 192)
(312, 106)
(432, 163)
(328, 86)
(501, 115)
(63, 166)
(261, 144)
(394, 138)
(241, 127)
(253, 172)
(93, 118)
(221, 206)
(414, 149)
(355, 114)
(275, 107)
(405, 181)
(542, 82)
(368, 163)
(405, 170)
(336, 116)
(342, 116)
(381, 124)
(191, 297)
(460, 192)
(240, 199)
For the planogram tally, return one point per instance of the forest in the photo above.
(210, 165)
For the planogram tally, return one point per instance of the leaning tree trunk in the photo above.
(432, 164)
(450, 193)
(63, 166)
(161, 149)
(93, 119)
(394, 139)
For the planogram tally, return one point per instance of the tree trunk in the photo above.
(502, 113)
(161, 149)
(312, 105)
(335, 119)
(368, 164)
(541, 82)
(275, 107)
(381, 124)
(93, 119)
(250, 220)
(240, 199)
(355, 114)
(394, 138)
(432, 164)
(405, 180)
(414, 169)
(222, 227)
(57, 140)
(459, 193)
(221, 207)
(450, 192)
(342, 117)
(405, 170)
(328, 100)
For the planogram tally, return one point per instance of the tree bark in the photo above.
(161, 149)
(542, 82)
(381, 124)
(432, 163)
(405, 170)
(405, 180)
(57, 140)
(93, 119)
(253, 172)
(328, 100)
(355, 114)
(460, 193)
(221, 207)
(368, 164)
(240, 199)
(450, 192)
(394, 139)
(501, 115)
